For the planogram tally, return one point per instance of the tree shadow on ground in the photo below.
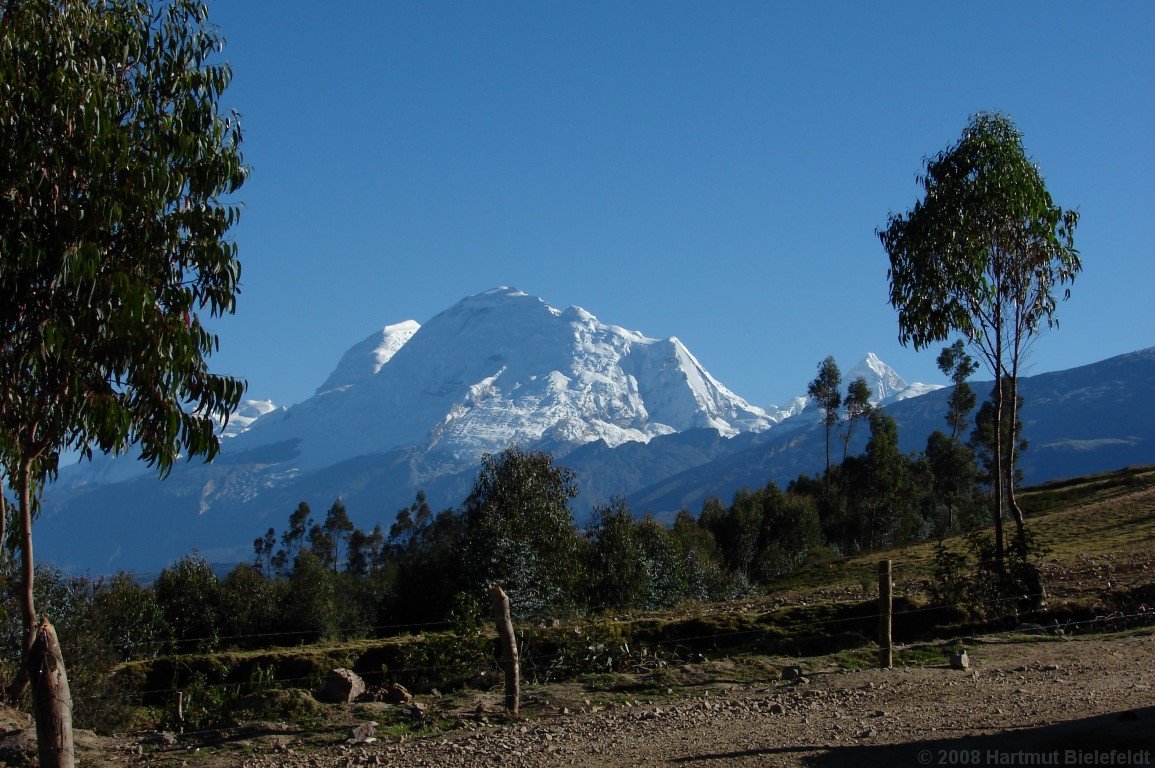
(1119, 738)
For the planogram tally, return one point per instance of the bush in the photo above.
(129, 618)
(251, 608)
(189, 595)
(310, 607)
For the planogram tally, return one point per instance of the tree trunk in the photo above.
(1012, 501)
(998, 437)
(19, 686)
(51, 699)
(3, 517)
(828, 428)
(997, 480)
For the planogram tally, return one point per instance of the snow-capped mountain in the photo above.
(244, 417)
(497, 369)
(362, 361)
(884, 382)
(412, 407)
(886, 387)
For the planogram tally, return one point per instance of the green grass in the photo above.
(1105, 514)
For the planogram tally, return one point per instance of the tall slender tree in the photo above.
(300, 521)
(114, 169)
(986, 253)
(338, 526)
(858, 408)
(827, 394)
(955, 363)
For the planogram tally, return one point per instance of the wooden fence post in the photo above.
(509, 656)
(885, 613)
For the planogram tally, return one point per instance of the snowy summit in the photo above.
(885, 384)
(503, 368)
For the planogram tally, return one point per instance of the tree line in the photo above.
(323, 577)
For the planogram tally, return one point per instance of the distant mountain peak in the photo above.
(884, 381)
(503, 367)
(247, 413)
(363, 360)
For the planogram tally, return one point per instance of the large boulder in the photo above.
(340, 686)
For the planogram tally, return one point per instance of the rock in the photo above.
(791, 673)
(363, 733)
(340, 686)
(397, 694)
(960, 660)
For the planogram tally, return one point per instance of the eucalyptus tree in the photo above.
(520, 532)
(955, 363)
(952, 461)
(986, 253)
(858, 408)
(115, 169)
(825, 389)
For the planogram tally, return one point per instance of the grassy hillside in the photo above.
(1102, 523)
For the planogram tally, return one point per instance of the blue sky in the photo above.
(712, 171)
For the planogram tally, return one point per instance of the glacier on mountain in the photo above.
(363, 360)
(245, 416)
(502, 368)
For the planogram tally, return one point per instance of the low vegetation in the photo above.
(131, 655)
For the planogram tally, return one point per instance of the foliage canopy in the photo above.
(113, 170)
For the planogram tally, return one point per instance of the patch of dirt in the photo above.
(1021, 696)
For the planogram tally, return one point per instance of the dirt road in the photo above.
(1073, 702)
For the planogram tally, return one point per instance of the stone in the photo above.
(791, 673)
(397, 694)
(364, 733)
(340, 686)
(960, 660)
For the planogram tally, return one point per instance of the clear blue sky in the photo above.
(712, 170)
